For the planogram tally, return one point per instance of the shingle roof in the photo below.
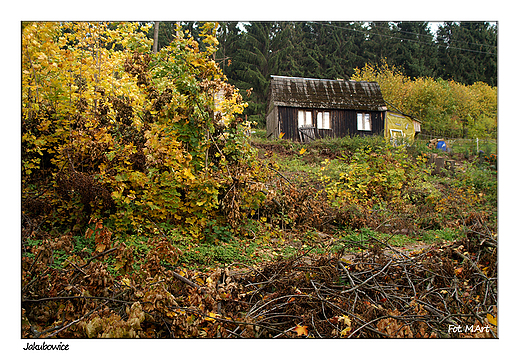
(326, 94)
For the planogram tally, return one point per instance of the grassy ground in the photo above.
(240, 252)
(264, 239)
(338, 212)
(303, 164)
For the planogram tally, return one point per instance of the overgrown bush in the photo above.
(349, 143)
(369, 176)
(110, 130)
(137, 169)
(480, 178)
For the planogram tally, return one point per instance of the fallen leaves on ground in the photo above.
(379, 293)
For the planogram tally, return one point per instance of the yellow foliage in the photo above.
(139, 135)
(443, 106)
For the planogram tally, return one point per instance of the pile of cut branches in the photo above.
(438, 292)
(449, 291)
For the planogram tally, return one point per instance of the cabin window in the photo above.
(304, 118)
(323, 120)
(363, 122)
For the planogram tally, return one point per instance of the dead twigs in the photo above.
(380, 294)
(438, 292)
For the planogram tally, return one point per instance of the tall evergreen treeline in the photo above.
(250, 52)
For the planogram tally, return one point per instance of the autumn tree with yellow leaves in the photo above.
(111, 130)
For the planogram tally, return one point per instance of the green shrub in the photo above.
(481, 178)
(369, 176)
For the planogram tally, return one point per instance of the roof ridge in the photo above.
(317, 79)
(324, 93)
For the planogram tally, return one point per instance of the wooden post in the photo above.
(439, 164)
(155, 37)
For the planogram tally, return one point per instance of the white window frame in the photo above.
(395, 133)
(364, 122)
(323, 120)
(304, 118)
(397, 136)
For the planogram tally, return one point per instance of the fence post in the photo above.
(477, 145)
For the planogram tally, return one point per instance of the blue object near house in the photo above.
(441, 145)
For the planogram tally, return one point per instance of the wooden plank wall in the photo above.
(343, 123)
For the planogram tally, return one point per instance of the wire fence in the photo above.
(459, 145)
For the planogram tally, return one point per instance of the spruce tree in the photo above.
(381, 42)
(415, 51)
(468, 52)
(260, 51)
(229, 36)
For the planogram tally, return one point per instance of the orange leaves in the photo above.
(187, 174)
(102, 235)
(124, 259)
(300, 330)
(343, 322)
(162, 251)
(222, 304)
(130, 119)
(394, 328)
(212, 317)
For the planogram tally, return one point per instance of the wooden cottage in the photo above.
(304, 109)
